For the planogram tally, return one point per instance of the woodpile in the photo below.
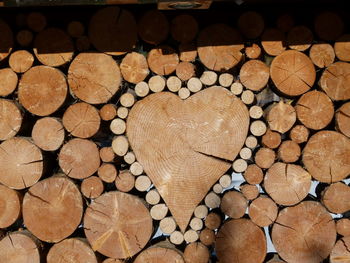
(152, 137)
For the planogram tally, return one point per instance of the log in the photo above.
(21, 60)
(253, 51)
(8, 82)
(209, 78)
(212, 221)
(129, 158)
(6, 43)
(254, 75)
(256, 112)
(48, 134)
(191, 236)
(82, 43)
(24, 38)
(251, 24)
(196, 253)
(42, 90)
(245, 153)
(122, 112)
(187, 52)
(120, 145)
(322, 54)
(291, 224)
(156, 254)
(341, 46)
(207, 237)
(219, 47)
(75, 29)
(134, 67)
(225, 79)
(79, 158)
(271, 139)
(159, 211)
(196, 224)
(340, 252)
(299, 134)
(343, 227)
(289, 151)
(335, 198)
(234, 204)
(152, 197)
(201, 211)
(163, 60)
(300, 38)
(264, 158)
(325, 156)
(173, 83)
(212, 200)
(118, 126)
(107, 172)
(263, 211)
(167, 225)
(335, 81)
(185, 70)
(142, 183)
(328, 26)
(248, 97)
(253, 174)
(19, 247)
(50, 202)
(153, 27)
(136, 169)
(10, 201)
(285, 22)
(194, 84)
(225, 180)
(113, 30)
(21, 163)
(112, 230)
(251, 142)
(112, 260)
(108, 112)
(69, 249)
(177, 238)
(53, 47)
(315, 110)
(342, 119)
(287, 184)
(293, 73)
(249, 191)
(237, 234)
(92, 187)
(125, 181)
(94, 77)
(107, 154)
(81, 120)
(273, 41)
(184, 28)
(184, 93)
(239, 165)
(281, 117)
(141, 89)
(11, 119)
(156, 83)
(36, 21)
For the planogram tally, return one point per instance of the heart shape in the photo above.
(185, 146)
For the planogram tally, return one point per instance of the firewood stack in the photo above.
(154, 138)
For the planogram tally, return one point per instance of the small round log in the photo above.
(156, 83)
(184, 28)
(136, 169)
(249, 191)
(245, 153)
(299, 134)
(343, 227)
(184, 93)
(196, 224)
(20, 61)
(81, 120)
(212, 221)
(248, 97)
(79, 158)
(75, 29)
(24, 38)
(251, 142)
(107, 172)
(142, 89)
(225, 180)
(256, 112)
(234, 204)
(113, 229)
(21, 163)
(209, 78)
(273, 41)
(191, 236)
(92, 187)
(10, 203)
(163, 60)
(42, 90)
(134, 67)
(251, 24)
(76, 249)
(108, 112)
(8, 82)
(177, 238)
(196, 253)
(129, 158)
(142, 183)
(194, 84)
(36, 21)
(300, 38)
(185, 70)
(253, 51)
(287, 184)
(201, 211)
(253, 174)
(153, 27)
(152, 197)
(281, 117)
(237, 234)
(207, 236)
(264, 158)
(124, 181)
(293, 73)
(335, 198)
(11, 119)
(48, 134)
(106, 154)
(340, 252)
(159, 211)
(167, 225)
(341, 47)
(236, 88)
(156, 254)
(254, 75)
(263, 211)
(225, 79)
(120, 145)
(48, 204)
(188, 52)
(335, 81)
(325, 156)
(239, 165)
(258, 128)
(271, 139)
(118, 126)
(328, 26)
(53, 47)
(289, 151)
(94, 77)
(342, 119)
(212, 200)
(322, 54)
(127, 100)
(290, 225)
(174, 83)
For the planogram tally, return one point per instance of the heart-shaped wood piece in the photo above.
(186, 146)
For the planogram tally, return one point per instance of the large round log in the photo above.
(10, 204)
(134, 67)
(336, 198)
(157, 254)
(11, 119)
(153, 27)
(163, 60)
(8, 82)
(48, 134)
